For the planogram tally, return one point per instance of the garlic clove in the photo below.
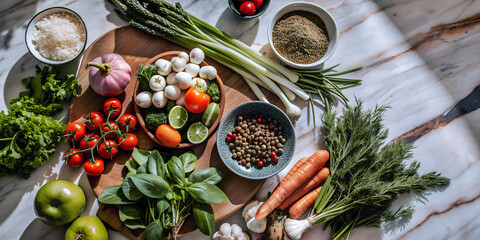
(257, 226)
(247, 207)
(225, 229)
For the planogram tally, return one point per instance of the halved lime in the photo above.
(178, 117)
(197, 133)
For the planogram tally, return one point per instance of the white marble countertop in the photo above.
(420, 57)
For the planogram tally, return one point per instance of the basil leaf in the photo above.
(130, 190)
(131, 211)
(162, 205)
(132, 166)
(154, 231)
(207, 193)
(113, 195)
(175, 167)
(140, 156)
(207, 175)
(155, 164)
(142, 168)
(203, 213)
(134, 224)
(150, 185)
(189, 161)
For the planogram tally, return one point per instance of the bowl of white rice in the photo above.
(56, 36)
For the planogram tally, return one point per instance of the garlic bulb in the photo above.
(295, 228)
(248, 213)
(230, 232)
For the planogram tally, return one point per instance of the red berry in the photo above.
(229, 134)
(247, 8)
(259, 120)
(234, 136)
(273, 154)
(260, 115)
(257, 3)
(260, 163)
(228, 139)
(275, 159)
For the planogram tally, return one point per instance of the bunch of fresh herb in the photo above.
(365, 177)
(29, 133)
(158, 196)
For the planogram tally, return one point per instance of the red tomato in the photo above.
(112, 104)
(106, 128)
(75, 131)
(247, 8)
(89, 140)
(127, 120)
(94, 167)
(196, 101)
(128, 141)
(94, 120)
(257, 3)
(108, 149)
(76, 160)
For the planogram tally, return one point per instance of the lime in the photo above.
(197, 133)
(210, 114)
(178, 117)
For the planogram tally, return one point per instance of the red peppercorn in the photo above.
(234, 136)
(229, 134)
(273, 154)
(260, 163)
(259, 120)
(228, 139)
(275, 159)
(260, 115)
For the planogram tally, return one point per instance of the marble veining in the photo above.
(420, 57)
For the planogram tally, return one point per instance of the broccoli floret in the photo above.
(155, 117)
(214, 91)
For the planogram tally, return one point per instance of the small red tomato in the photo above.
(260, 163)
(247, 8)
(89, 140)
(257, 3)
(106, 128)
(273, 154)
(127, 120)
(275, 159)
(127, 141)
(94, 120)
(75, 131)
(108, 149)
(94, 167)
(76, 160)
(114, 105)
(228, 139)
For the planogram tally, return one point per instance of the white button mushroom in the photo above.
(157, 83)
(164, 66)
(159, 99)
(183, 80)
(144, 99)
(181, 100)
(208, 72)
(184, 55)
(230, 232)
(178, 64)
(192, 69)
(171, 79)
(197, 56)
(172, 92)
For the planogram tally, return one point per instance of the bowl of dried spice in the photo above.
(303, 35)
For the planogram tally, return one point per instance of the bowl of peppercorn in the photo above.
(303, 35)
(248, 9)
(256, 140)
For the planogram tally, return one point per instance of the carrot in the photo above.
(312, 165)
(294, 168)
(303, 204)
(318, 178)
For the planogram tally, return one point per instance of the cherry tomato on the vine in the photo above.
(94, 167)
(106, 128)
(127, 141)
(75, 131)
(127, 120)
(76, 160)
(89, 140)
(112, 104)
(94, 120)
(108, 149)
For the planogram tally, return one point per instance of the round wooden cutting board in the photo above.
(137, 48)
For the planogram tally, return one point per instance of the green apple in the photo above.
(59, 202)
(86, 228)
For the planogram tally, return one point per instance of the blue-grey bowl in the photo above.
(250, 109)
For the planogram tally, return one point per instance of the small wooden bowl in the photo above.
(138, 111)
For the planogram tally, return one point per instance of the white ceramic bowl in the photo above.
(31, 28)
(330, 25)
